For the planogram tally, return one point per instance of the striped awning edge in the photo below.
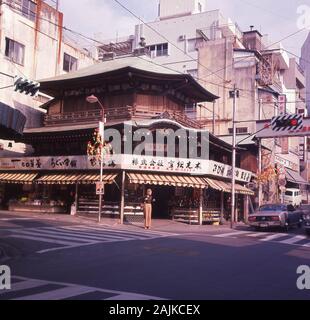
(75, 178)
(167, 180)
(226, 187)
(218, 185)
(243, 190)
(17, 178)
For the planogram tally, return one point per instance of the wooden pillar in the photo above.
(77, 197)
(246, 208)
(222, 208)
(236, 208)
(200, 218)
(122, 205)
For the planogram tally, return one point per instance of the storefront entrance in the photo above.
(164, 196)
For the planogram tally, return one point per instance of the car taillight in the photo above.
(275, 218)
(252, 219)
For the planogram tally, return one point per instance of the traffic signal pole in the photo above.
(234, 145)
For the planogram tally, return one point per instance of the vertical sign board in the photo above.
(302, 152)
(282, 104)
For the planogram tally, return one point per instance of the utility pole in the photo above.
(213, 119)
(260, 167)
(234, 95)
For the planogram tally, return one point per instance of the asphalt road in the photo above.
(64, 260)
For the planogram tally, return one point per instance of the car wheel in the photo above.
(308, 232)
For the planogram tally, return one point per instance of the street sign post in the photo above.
(100, 188)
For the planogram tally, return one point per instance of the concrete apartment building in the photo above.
(305, 65)
(33, 45)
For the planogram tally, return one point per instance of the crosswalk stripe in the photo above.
(78, 236)
(274, 236)
(42, 239)
(293, 240)
(24, 285)
(256, 235)
(58, 294)
(227, 235)
(142, 232)
(52, 236)
(142, 235)
(65, 291)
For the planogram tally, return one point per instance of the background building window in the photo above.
(15, 51)
(70, 63)
(158, 50)
(239, 130)
(29, 9)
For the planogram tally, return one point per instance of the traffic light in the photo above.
(26, 86)
(287, 122)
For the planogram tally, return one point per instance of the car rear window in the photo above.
(273, 207)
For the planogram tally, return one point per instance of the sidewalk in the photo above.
(92, 220)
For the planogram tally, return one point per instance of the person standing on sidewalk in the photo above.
(147, 203)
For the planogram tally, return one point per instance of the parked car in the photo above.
(293, 196)
(306, 216)
(276, 215)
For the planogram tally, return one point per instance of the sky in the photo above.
(278, 18)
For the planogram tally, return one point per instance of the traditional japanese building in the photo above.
(143, 106)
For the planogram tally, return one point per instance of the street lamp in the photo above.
(93, 99)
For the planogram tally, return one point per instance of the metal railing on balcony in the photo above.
(117, 114)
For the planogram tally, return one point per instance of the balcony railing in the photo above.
(117, 114)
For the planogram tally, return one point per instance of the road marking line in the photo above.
(131, 297)
(113, 234)
(42, 239)
(256, 235)
(274, 236)
(58, 294)
(54, 236)
(79, 288)
(75, 237)
(26, 284)
(139, 233)
(16, 219)
(81, 234)
(293, 240)
(236, 233)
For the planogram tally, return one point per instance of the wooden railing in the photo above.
(117, 114)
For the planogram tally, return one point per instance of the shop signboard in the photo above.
(286, 163)
(125, 162)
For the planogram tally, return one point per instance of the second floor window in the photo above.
(15, 51)
(70, 63)
(29, 9)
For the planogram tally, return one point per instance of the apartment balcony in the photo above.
(115, 115)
